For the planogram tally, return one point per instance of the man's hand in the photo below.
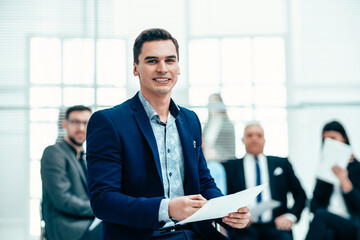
(183, 207)
(283, 223)
(238, 219)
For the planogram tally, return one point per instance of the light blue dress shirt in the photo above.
(171, 156)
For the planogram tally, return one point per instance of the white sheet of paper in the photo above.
(222, 206)
(95, 222)
(258, 209)
(334, 153)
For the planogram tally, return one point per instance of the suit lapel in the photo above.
(271, 168)
(241, 177)
(189, 155)
(146, 129)
(75, 161)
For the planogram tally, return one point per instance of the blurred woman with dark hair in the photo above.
(336, 208)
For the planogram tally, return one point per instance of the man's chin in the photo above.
(76, 142)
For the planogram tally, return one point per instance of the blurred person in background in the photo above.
(219, 133)
(219, 140)
(255, 169)
(66, 206)
(336, 208)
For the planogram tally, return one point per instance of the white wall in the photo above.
(324, 80)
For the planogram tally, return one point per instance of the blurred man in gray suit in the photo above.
(65, 204)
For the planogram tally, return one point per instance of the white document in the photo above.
(334, 153)
(222, 206)
(95, 222)
(258, 209)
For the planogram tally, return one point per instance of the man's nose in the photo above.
(82, 126)
(162, 67)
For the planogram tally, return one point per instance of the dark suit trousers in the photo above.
(259, 231)
(326, 225)
(176, 235)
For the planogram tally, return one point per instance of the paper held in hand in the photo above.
(222, 206)
(333, 153)
(258, 209)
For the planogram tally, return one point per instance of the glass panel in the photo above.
(76, 96)
(237, 95)
(276, 135)
(45, 96)
(263, 114)
(270, 95)
(45, 60)
(111, 66)
(35, 179)
(51, 115)
(237, 61)
(78, 61)
(199, 96)
(110, 96)
(35, 217)
(203, 115)
(269, 60)
(41, 136)
(240, 114)
(204, 62)
(239, 133)
(274, 122)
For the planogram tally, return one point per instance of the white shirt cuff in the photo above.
(291, 217)
(164, 211)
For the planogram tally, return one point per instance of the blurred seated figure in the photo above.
(219, 140)
(66, 206)
(254, 169)
(336, 208)
(219, 135)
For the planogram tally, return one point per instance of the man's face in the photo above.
(253, 139)
(158, 68)
(76, 125)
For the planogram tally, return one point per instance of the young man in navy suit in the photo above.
(256, 168)
(146, 168)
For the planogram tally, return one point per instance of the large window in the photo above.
(249, 73)
(66, 72)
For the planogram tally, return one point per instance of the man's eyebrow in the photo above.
(150, 57)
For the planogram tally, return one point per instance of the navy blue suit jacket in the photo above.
(124, 173)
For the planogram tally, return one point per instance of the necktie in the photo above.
(258, 181)
(83, 164)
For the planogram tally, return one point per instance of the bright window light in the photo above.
(78, 61)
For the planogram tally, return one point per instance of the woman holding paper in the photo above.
(336, 207)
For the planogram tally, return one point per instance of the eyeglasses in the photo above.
(77, 123)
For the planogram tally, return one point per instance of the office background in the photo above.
(293, 65)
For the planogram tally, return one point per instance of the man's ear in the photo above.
(243, 140)
(135, 72)
(64, 124)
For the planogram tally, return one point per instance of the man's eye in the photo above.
(151, 61)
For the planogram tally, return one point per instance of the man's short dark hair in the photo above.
(75, 108)
(149, 35)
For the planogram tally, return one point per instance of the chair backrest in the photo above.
(42, 223)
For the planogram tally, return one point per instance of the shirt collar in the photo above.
(73, 149)
(252, 157)
(150, 111)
